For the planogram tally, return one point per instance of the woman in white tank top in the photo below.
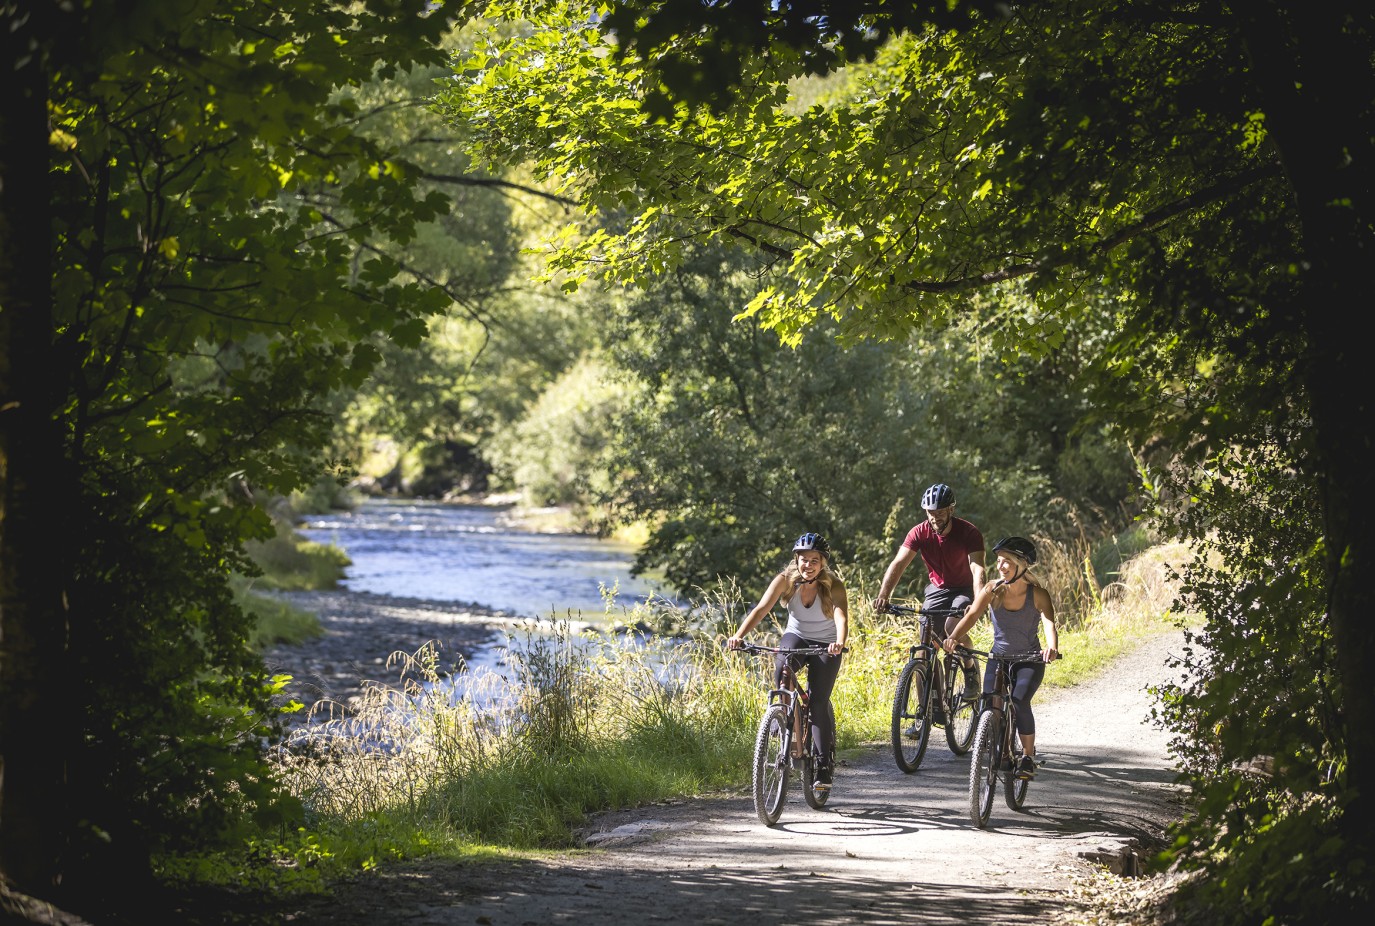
(818, 615)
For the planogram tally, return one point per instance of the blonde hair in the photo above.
(1025, 569)
(826, 580)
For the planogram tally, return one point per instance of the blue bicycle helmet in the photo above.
(1018, 546)
(811, 541)
(939, 495)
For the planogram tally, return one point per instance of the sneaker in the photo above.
(913, 730)
(971, 684)
(823, 778)
(1026, 768)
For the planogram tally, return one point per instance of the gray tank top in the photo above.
(809, 623)
(1017, 631)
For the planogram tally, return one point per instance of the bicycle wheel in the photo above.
(983, 767)
(1014, 788)
(961, 713)
(911, 715)
(815, 799)
(771, 764)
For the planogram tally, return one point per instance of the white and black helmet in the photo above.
(939, 495)
(811, 541)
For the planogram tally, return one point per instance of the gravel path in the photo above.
(887, 848)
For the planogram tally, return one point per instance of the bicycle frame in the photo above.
(926, 695)
(795, 701)
(783, 744)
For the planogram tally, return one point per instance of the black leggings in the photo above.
(821, 679)
(1026, 678)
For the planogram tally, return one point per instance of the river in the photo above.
(466, 553)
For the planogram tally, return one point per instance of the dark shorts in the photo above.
(939, 599)
(944, 599)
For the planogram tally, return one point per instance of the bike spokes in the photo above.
(771, 765)
(911, 721)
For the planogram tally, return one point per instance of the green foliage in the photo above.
(554, 452)
(822, 34)
(1138, 194)
(219, 223)
(739, 443)
(1259, 719)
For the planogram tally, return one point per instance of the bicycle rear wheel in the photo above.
(983, 767)
(771, 764)
(1014, 788)
(961, 714)
(912, 715)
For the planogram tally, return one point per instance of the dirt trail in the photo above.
(888, 847)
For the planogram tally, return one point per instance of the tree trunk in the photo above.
(1309, 65)
(34, 822)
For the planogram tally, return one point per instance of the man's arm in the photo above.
(976, 566)
(892, 574)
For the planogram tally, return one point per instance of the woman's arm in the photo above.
(841, 599)
(756, 614)
(1047, 609)
(971, 615)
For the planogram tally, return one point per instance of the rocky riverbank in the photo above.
(362, 631)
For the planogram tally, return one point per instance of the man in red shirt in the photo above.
(952, 550)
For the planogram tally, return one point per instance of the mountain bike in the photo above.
(997, 747)
(783, 745)
(929, 693)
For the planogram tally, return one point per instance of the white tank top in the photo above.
(810, 623)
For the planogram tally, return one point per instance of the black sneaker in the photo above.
(823, 778)
(1026, 768)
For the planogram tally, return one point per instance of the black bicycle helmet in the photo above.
(939, 495)
(1019, 547)
(811, 541)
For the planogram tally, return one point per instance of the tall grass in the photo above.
(451, 759)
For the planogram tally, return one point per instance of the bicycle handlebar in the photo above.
(1030, 656)
(912, 609)
(796, 651)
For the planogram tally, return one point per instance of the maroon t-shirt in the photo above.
(947, 558)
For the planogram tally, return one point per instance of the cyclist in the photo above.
(953, 551)
(818, 615)
(1019, 607)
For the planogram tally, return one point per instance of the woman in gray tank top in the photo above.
(818, 615)
(1019, 609)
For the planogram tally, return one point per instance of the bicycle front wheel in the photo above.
(912, 715)
(961, 714)
(771, 764)
(983, 767)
